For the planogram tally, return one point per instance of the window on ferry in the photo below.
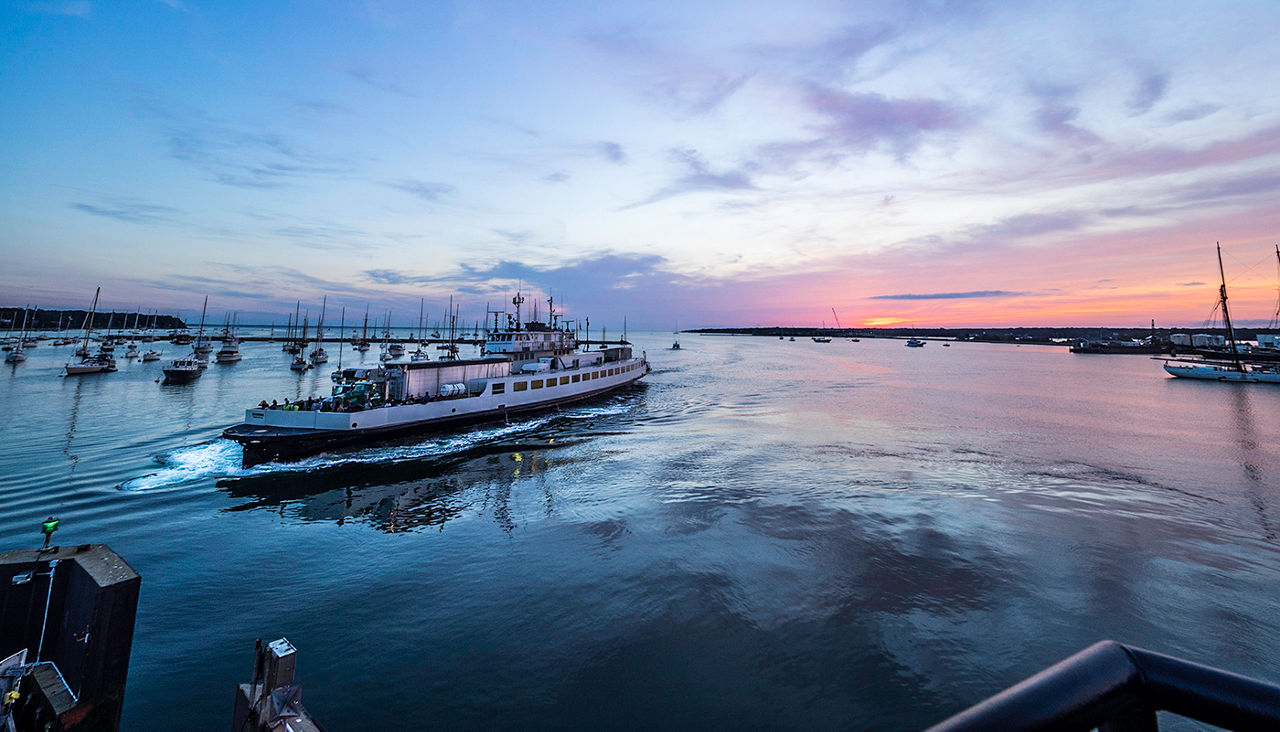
(499, 388)
(577, 378)
(519, 386)
(564, 380)
(535, 384)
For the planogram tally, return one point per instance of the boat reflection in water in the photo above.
(406, 494)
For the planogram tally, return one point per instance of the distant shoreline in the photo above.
(1037, 335)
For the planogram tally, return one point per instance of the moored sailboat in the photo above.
(1231, 368)
(92, 363)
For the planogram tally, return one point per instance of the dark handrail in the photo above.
(1117, 687)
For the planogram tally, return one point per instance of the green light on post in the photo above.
(47, 527)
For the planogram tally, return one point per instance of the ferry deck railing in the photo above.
(1117, 688)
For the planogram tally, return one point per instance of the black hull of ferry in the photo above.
(1108, 348)
(290, 445)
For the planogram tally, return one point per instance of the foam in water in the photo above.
(221, 458)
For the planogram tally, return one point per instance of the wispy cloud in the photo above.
(862, 122)
(129, 211)
(235, 156)
(379, 82)
(833, 56)
(613, 152)
(1149, 91)
(950, 295)
(1192, 112)
(78, 8)
(426, 190)
(1243, 186)
(697, 177)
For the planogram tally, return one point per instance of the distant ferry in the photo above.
(527, 368)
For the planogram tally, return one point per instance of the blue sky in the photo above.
(947, 163)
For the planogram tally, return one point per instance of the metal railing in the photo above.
(1117, 688)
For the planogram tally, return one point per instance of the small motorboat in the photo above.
(183, 370)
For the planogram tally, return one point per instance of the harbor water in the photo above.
(761, 534)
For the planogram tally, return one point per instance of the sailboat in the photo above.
(319, 355)
(184, 370)
(230, 351)
(18, 355)
(419, 354)
(1232, 369)
(362, 343)
(291, 342)
(299, 362)
(101, 362)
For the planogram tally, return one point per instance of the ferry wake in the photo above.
(524, 368)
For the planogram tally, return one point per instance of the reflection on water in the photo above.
(1247, 440)
(405, 494)
(763, 534)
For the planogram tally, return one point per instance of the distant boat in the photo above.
(17, 354)
(915, 343)
(821, 339)
(152, 355)
(99, 363)
(1224, 371)
(183, 370)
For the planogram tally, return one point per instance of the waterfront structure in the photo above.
(66, 631)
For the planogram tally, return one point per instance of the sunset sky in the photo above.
(905, 163)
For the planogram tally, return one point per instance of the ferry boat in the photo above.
(524, 368)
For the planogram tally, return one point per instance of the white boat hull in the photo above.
(79, 369)
(1223, 372)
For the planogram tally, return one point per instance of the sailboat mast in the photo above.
(1226, 314)
(88, 320)
(200, 334)
(320, 324)
(342, 323)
